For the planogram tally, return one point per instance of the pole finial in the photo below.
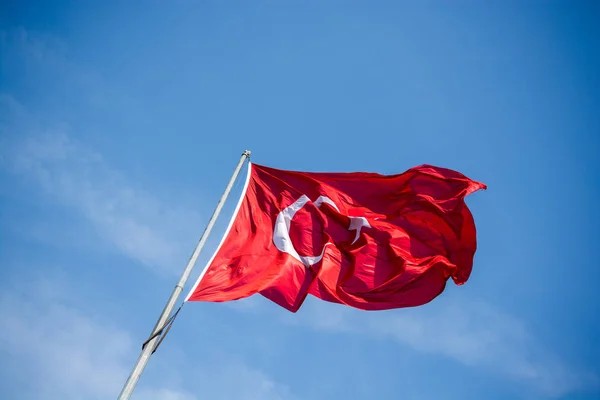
(246, 153)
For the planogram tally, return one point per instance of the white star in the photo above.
(356, 223)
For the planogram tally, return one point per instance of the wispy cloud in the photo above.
(59, 351)
(136, 222)
(236, 381)
(474, 334)
(40, 148)
(163, 394)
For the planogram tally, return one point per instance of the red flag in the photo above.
(366, 240)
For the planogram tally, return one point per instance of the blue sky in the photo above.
(120, 123)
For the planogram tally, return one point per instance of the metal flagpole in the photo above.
(149, 346)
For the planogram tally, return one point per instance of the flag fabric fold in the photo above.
(365, 240)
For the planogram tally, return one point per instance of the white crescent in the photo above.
(281, 231)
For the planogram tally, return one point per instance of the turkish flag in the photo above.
(366, 240)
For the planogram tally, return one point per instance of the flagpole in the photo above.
(148, 348)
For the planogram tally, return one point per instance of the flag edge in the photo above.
(225, 234)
